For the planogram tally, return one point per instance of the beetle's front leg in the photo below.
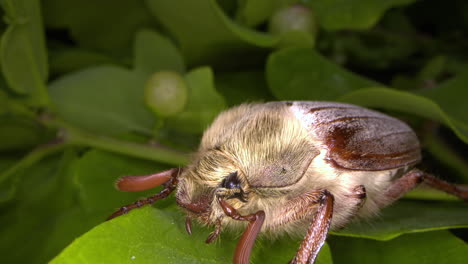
(317, 232)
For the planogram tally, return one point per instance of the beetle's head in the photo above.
(213, 174)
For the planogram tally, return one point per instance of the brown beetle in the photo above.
(292, 167)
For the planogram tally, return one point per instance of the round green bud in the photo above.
(293, 18)
(166, 93)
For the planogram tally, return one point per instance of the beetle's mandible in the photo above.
(292, 167)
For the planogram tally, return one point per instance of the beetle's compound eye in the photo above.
(232, 185)
(231, 181)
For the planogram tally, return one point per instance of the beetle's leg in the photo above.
(169, 186)
(188, 225)
(414, 177)
(247, 240)
(317, 232)
(144, 182)
(215, 234)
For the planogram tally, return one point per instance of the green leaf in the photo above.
(409, 217)
(206, 34)
(66, 60)
(253, 13)
(104, 99)
(107, 26)
(204, 103)
(429, 247)
(351, 14)
(60, 199)
(29, 219)
(155, 52)
(151, 235)
(448, 156)
(451, 96)
(95, 174)
(146, 236)
(406, 102)
(23, 55)
(303, 74)
(241, 87)
(96, 198)
(19, 133)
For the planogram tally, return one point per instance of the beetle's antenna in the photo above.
(169, 187)
(144, 182)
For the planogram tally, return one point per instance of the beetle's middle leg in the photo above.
(413, 178)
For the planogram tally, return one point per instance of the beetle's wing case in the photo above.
(358, 138)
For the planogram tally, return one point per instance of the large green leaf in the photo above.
(206, 34)
(19, 133)
(43, 192)
(351, 14)
(104, 99)
(106, 25)
(61, 198)
(95, 196)
(151, 235)
(425, 248)
(65, 60)
(23, 55)
(451, 96)
(155, 52)
(303, 74)
(243, 87)
(255, 12)
(409, 217)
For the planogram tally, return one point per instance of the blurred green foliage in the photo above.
(73, 117)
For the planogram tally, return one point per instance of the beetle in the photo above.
(297, 167)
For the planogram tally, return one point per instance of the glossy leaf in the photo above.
(151, 235)
(243, 87)
(252, 13)
(104, 99)
(40, 196)
(96, 198)
(66, 60)
(303, 74)
(409, 217)
(351, 14)
(451, 96)
(23, 55)
(155, 52)
(206, 34)
(107, 25)
(19, 133)
(428, 247)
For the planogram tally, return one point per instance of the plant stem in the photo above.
(76, 136)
